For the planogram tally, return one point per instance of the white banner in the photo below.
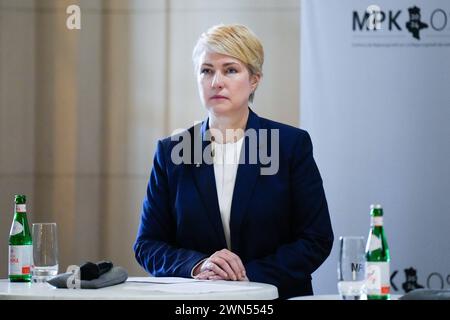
(375, 97)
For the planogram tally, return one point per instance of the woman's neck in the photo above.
(230, 127)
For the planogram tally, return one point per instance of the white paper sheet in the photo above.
(166, 280)
(197, 287)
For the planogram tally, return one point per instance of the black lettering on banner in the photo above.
(392, 20)
(439, 277)
(432, 20)
(357, 21)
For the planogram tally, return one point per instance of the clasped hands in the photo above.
(222, 265)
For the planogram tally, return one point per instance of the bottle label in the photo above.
(377, 278)
(375, 243)
(21, 208)
(20, 260)
(16, 228)
(377, 221)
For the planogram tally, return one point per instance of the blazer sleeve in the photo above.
(155, 248)
(311, 226)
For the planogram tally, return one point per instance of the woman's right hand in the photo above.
(224, 264)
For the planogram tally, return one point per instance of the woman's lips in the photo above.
(218, 97)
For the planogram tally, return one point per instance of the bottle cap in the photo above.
(20, 198)
(375, 206)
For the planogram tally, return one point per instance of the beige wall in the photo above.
(81, 111)
(17, 113)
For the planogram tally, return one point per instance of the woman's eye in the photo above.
(205, 71)
(232, 70)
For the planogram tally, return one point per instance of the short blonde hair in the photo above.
(234, 40)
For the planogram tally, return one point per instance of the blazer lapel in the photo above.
(206, 184)
(246, 178)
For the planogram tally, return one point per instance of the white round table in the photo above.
(139, 291)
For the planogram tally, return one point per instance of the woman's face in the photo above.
(224, 83)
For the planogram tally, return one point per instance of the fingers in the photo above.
(215, 277)
(211, 275)
(208, 275)
(235, 263)
(220, 266)
(226, 264)
(204, 275)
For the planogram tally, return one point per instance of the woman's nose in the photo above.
(217, 81)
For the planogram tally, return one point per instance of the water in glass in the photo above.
(45, 252)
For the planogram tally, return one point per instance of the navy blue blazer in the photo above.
(279, 226)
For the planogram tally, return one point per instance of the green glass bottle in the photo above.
(20, 243)
(377, 258)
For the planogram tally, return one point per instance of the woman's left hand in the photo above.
(211, 275)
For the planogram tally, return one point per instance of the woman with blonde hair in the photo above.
(237, 197)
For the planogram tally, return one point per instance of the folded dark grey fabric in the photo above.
(426, 294)
(114, 276)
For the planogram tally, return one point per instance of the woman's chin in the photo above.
(222, 109)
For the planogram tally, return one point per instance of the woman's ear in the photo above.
(254, 80)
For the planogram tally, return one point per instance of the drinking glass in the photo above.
(45, 252)
(351, 264)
